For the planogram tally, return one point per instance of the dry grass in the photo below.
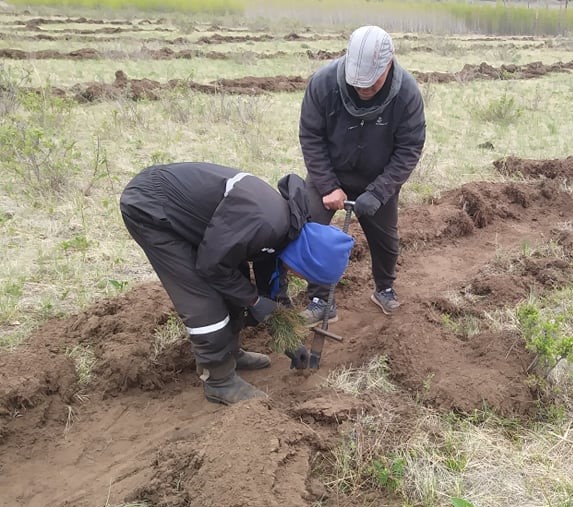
(84, 361)
(446, 460)
(168, 334)
(448, 457)
(372, 376)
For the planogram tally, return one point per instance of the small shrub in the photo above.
(35, 149)
(11, 90)
(503, 111)
(546, 332)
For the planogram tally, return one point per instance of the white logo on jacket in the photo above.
(379, 122)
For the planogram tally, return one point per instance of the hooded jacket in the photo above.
(230, 217)
(361, 148)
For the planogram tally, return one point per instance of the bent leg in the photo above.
(201, 308)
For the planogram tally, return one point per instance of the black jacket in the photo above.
(356, 149)
(228, 216)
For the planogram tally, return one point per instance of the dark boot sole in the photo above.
(214, 399)
(221, 401)
(260, 366)
(244, 368)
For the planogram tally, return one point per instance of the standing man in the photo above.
(200, 225)
(362, 130)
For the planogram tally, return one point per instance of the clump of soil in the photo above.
(551, 169)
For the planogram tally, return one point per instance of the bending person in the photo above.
(203, 227)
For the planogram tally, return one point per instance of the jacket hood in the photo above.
(292, 188)
(366, 113)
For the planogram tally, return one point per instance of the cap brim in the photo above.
(353, 77)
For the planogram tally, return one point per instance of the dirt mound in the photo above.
(118, 332)
(484, 71)
(223, 458)
(82, 20)
(141, 429)
(137, 89)
(560, 169)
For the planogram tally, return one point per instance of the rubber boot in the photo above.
(221, 384)
(251, 360)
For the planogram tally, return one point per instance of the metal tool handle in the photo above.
(349, 207)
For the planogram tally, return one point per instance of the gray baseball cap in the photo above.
(369, 52)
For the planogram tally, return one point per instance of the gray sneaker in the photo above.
(386, 299)
(314, 312)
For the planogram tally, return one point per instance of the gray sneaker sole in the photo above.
(387, 311)
(318, 322)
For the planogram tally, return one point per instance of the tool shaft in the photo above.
(348, 206)
(320, 334)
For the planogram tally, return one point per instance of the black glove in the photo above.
(298, 358)
(366, 204)
(262, 309)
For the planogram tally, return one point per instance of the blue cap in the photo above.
(320, 254)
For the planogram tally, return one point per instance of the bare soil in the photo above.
(142, 430)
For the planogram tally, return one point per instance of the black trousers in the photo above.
(381, 231)
(213, 325)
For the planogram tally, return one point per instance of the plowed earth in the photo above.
(137, 89)
(141, 429)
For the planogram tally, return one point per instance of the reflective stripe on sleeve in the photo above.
(234, 180)
(211, 328)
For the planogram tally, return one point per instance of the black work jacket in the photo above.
(356, 149)
(228, 216)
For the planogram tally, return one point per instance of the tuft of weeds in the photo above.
(10, 296)
(70, 419)
(372, 376)
(84, 360)
(543, 249)
(503, 111)
(502, 320)
(296, 286)
(130, 114)
(11, 86)
(508, 262)
(464, 326)
(168, 334)
(358, 463)
(244, 113)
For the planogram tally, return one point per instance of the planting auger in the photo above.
(321, 333)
